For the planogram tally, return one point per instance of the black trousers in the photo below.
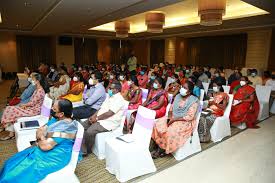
(83, 112)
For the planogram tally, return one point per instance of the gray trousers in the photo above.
(90, 131)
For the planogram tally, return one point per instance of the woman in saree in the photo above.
(216, 106)
(135, 94)
(32, 108)
(172, 134)
(174, 86)
(52, 152)
(245, 107)
(157, 100)
(76, 90)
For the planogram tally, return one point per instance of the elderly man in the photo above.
(108, 117)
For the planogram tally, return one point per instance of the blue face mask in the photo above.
(153, 77)
(110, 92)
(142, 72)
(155, 85)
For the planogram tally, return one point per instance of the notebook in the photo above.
(27, 125)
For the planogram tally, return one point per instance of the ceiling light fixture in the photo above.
(122, 29)
(155, 22)
(0, 18)
(211, 12)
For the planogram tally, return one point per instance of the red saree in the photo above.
(162, 111)
(245, 112)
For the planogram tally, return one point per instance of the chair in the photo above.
(192, 145)
(263, 94)
(130, 160)
(169, 80)
(202, 95)
(170, 98)
(272, 110)
(205, 86)
(24, 137)
(144, 94)
(101, 138)
(221, 127)
(66, 174)
(226, 89)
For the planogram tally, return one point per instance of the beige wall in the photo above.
(170, 50)
(8, 55)
(258, 46)
(64, 53)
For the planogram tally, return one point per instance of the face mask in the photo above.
(80, 69)
(30, 80)
(216, 89)
(91, 81)
(183, 92)
(142, 73)
(90, 71)
(187, 71)
(155, 85)
(33, 82)
(53, 113)
(52, 70)
(75, 78)
(130, 83)
(217, 75)
(253, 74)
(153, 77)
(242, 83)
(173, 80)
(110, 92)
(111, 77)
(121, 78)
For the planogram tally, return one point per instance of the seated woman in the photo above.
(157, 100)
(77, 88)
(196, 90)
(124, 83)
(134, 94)
(245, 107)
(174, 86)
(170, 136)
(32, 108)
(60, 87)
(52, 153)
(215, 108)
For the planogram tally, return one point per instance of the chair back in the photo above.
(169, 80)
(125, 110)
(46, 106)
(226, 89)
(77, 146)
(228, 107)
(144, 123)
(205, 86)
(144, 94)
(263, 93)
(199, 110)
(202, 95)
(167, 109)
(170, 98)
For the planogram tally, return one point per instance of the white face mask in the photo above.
(242, 83)
(91, 81)
(217, 75)
(121, 78)
(52, 70)
(187, 71)
(183, 92)
(216, 89)
(111, 77)
(130, 83)
(253, 74)
(30, 79)
(33, 82)
(75, 78)
(173, 80)
(155, 85)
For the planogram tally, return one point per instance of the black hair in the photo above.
(54, 66)
(193, 79)
(66, 107)
(160, 81)
(246, 78)
(98, 76)
(219, 83)
(117, 85)
(267, 74)
(80, 76)
(64, 69)
(43, 82)
(190, 87)
(134, 79)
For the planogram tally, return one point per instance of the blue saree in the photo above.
(34, 164)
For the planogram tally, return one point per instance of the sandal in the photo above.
(7, 138)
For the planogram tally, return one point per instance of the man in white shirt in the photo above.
(271, 82)
(254, 78)
(108, 118)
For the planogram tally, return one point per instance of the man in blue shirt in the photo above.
(93, 98)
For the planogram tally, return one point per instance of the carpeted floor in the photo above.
(90, 169)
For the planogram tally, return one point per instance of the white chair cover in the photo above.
(263, 94)
(130, 160)
(272, 110)
(205, 86)
(226, 89)
(170, 98)
(24, 137)
(202, 95)
(192, 145)
(144, 94)
(66, 174)
(22, 80)
(169, 80)
(221, 127)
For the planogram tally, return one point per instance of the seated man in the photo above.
(106, 119)
(93, 98)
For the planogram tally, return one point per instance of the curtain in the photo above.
(120, 51)
(31, 51)
(271, 63)
(85, 51)
(227, 51)
(157, 51)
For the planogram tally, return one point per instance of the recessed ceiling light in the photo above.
(27, 4)
(17, 25)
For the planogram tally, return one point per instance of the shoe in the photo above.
(7, 138)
